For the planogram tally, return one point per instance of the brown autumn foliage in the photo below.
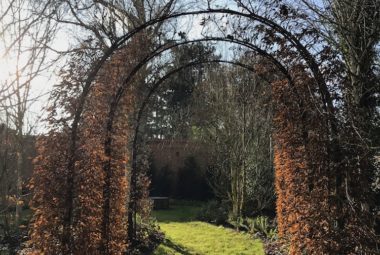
(311, 211)
(302, 169)
(48, 183)
(98, 225)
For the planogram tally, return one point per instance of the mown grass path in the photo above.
(186, 236)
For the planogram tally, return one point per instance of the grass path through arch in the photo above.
(186, 236)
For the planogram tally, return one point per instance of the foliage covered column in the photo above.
(98, 220)
(303, 176)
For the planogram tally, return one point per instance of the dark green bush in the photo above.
(214, 212)
(148, 237)
(192, 183)
(162, 181)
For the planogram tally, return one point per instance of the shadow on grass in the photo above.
(178, 248)
(177, 214)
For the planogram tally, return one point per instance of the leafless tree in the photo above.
(236, 123)
(24, 36)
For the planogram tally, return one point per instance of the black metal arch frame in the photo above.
(124, 85)
(302, 50)
(311, 63)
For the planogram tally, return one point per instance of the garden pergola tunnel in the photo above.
(302, 79)
(156, 53)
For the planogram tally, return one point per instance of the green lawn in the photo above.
(185, 235)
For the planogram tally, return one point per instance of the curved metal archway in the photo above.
(157, 52)
(300, 48)
(122, 88)
(305, 54)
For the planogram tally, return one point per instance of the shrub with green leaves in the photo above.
(261, 226)
(148, 237)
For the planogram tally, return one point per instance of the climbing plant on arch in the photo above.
(81, 188)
